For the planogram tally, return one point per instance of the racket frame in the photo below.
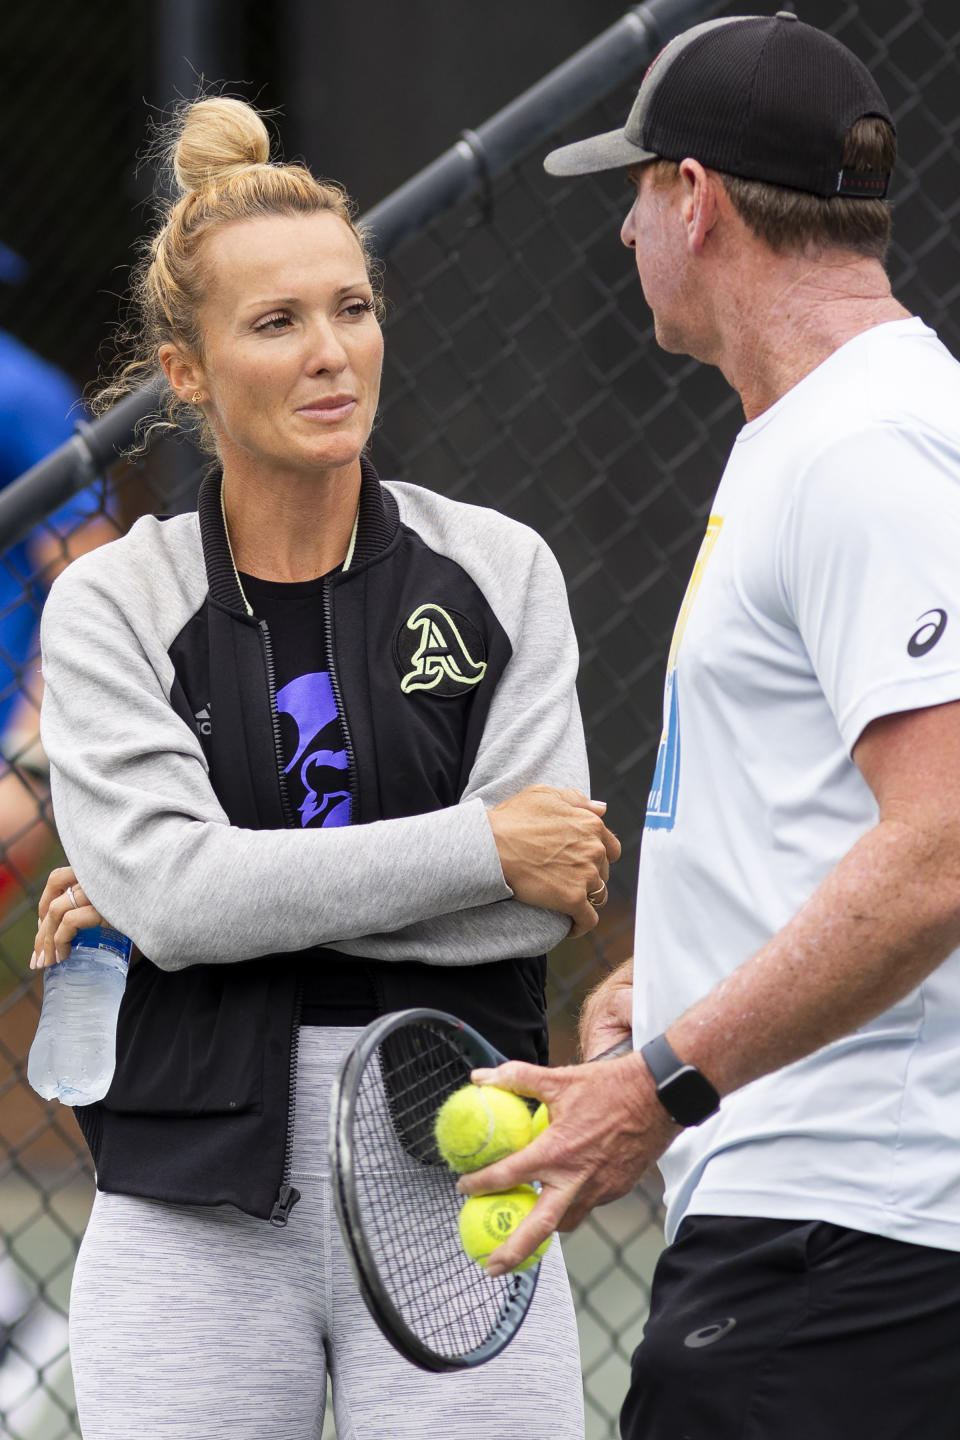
(522, 1284)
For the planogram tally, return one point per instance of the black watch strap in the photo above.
(685, 1093)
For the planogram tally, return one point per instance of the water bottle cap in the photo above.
(103, 937)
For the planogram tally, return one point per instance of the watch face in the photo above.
(688, 1096)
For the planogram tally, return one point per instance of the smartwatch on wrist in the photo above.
(685, 1094)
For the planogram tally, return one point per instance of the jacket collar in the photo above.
(377, 523)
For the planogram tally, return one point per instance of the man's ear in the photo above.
(184, 374)
(700, 202)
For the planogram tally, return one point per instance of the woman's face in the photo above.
(292, 346)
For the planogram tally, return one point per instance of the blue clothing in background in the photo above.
(38, 410)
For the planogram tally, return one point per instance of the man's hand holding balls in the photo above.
(474, 1127)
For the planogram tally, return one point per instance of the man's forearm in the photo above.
(884, 918)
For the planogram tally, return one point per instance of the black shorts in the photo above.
(797, 1330)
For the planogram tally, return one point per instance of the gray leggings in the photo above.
(197, 1323)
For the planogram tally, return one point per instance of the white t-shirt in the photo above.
(826, 594)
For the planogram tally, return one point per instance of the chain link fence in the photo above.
(521, 373)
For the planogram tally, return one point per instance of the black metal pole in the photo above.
(478, 157)
(481, 155)
(51, 482)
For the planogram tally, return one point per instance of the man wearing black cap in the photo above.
(796, 1005)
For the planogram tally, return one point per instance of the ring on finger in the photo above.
(598, 898)
(74, 902)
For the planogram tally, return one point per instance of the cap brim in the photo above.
(612, 151)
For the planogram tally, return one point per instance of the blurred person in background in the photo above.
(38, 404)
(301, 745)
(795, 999)
(38, 408)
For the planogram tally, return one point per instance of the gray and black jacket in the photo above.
(160, 723)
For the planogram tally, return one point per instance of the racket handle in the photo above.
(623, 1047)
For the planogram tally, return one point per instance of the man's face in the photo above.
(655, 232)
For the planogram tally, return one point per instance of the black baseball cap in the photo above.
(764, 97)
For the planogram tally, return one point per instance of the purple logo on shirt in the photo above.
(309, 701)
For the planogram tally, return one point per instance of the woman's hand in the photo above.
(64, 909)
(555, 851)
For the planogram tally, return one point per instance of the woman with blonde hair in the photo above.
(305, 747)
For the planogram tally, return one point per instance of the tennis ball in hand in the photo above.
(479, 1124)
(541, 1119)
(486, 1221)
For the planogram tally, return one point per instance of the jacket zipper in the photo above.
(335, 687)
(288, 819)
(287, 1195)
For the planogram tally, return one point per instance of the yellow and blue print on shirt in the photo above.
(662, 802)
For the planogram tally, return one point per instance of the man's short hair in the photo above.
(795, 220)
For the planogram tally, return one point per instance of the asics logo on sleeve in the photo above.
(924, 639)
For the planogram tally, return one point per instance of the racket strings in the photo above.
(407, 1197)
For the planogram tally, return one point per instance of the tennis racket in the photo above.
(397, 1201)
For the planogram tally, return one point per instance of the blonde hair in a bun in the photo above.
(219, 136)
(217, 151)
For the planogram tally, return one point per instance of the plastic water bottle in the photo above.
(74, 1051)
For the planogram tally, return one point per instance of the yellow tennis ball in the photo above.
(540, 1121)
(479, 1124)
(486, 1221)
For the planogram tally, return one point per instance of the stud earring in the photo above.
(196, 397)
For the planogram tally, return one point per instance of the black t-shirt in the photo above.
(336, 990)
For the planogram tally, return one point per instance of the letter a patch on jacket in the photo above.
(439, 651)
